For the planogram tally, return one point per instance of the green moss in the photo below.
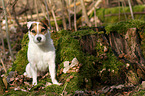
(102, 14)
(59, 22)
(81, 33)
(67, 47)
(122, 27)
(139, 93)
(55, 89)
(21, 57)
(15, 93)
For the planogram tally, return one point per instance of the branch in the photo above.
(96, 4)
(75, 22)
(131, 11)
(7, 30)
(85, 13)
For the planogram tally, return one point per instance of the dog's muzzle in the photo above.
(39, 39)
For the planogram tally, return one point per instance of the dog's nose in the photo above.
(39, 39)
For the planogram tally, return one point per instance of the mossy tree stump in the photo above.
(125, 40)
(127, 46)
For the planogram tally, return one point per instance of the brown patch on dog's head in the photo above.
(38, 28)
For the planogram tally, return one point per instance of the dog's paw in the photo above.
(57, 83)
(34, 83)
(26, 75)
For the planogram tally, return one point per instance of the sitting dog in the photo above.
(41, 52)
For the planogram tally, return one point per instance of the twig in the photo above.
(63, 16)
(64, 89)
(3, 66)
(43, 10)
(47, 14)
(96, 4)
(131, 11)
(85, 13)
(95, 17)
(75, 21)
(2, 39)
(53, 14)
(69, 14)
(14, 14)
(124, 11)
(7, 31)
(36, 7)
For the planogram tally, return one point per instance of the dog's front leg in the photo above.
(52, 73)
(34, 76)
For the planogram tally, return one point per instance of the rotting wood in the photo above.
(129, 45)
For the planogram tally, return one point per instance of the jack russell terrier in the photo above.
(41, 52)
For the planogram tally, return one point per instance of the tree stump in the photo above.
(128, 45)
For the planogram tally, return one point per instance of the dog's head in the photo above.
(38, 31)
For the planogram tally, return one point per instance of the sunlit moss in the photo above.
(117, 14)
(21, 57)
(122, 27)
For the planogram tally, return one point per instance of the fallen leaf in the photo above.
(74, 62)
(5, 82)
(66, 65)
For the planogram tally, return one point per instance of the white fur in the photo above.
(40, 57)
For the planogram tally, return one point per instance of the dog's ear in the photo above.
(29, 25)
(44, 25)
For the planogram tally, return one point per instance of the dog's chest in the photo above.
(40, 58)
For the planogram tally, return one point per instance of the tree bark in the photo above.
(127, 44)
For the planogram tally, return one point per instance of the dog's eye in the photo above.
(42, 30)
(33, 31)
